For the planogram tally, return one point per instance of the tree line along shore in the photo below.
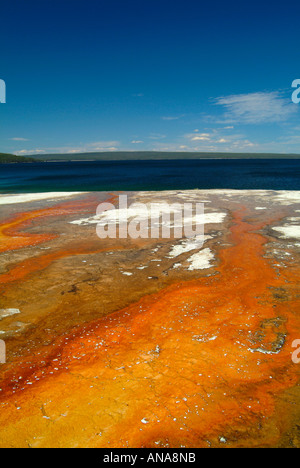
(137, 156)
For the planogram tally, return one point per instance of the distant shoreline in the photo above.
(157, 156)
(139, 156)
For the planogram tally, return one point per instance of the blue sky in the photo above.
(149, 75)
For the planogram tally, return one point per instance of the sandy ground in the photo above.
(150, 342)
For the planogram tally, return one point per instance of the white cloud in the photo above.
(170, 118)
(96, 146)
(99, 146)
(217, 140)
(102, 144)
(137, 142)
(26, 152)
(18, 139)
(256, 108)
(200, 137)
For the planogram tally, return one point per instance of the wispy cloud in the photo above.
(156, 136)
(200, 137)
(19, 139)
(217, 140)
(97, 146)
(27, 152)
(231, 126)
(256, 108)
(111, 145)
(171, 117)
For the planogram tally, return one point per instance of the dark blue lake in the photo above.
(271, 174)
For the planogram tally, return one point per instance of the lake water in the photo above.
(268, 174)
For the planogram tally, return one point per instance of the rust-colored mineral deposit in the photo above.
(204, 361)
